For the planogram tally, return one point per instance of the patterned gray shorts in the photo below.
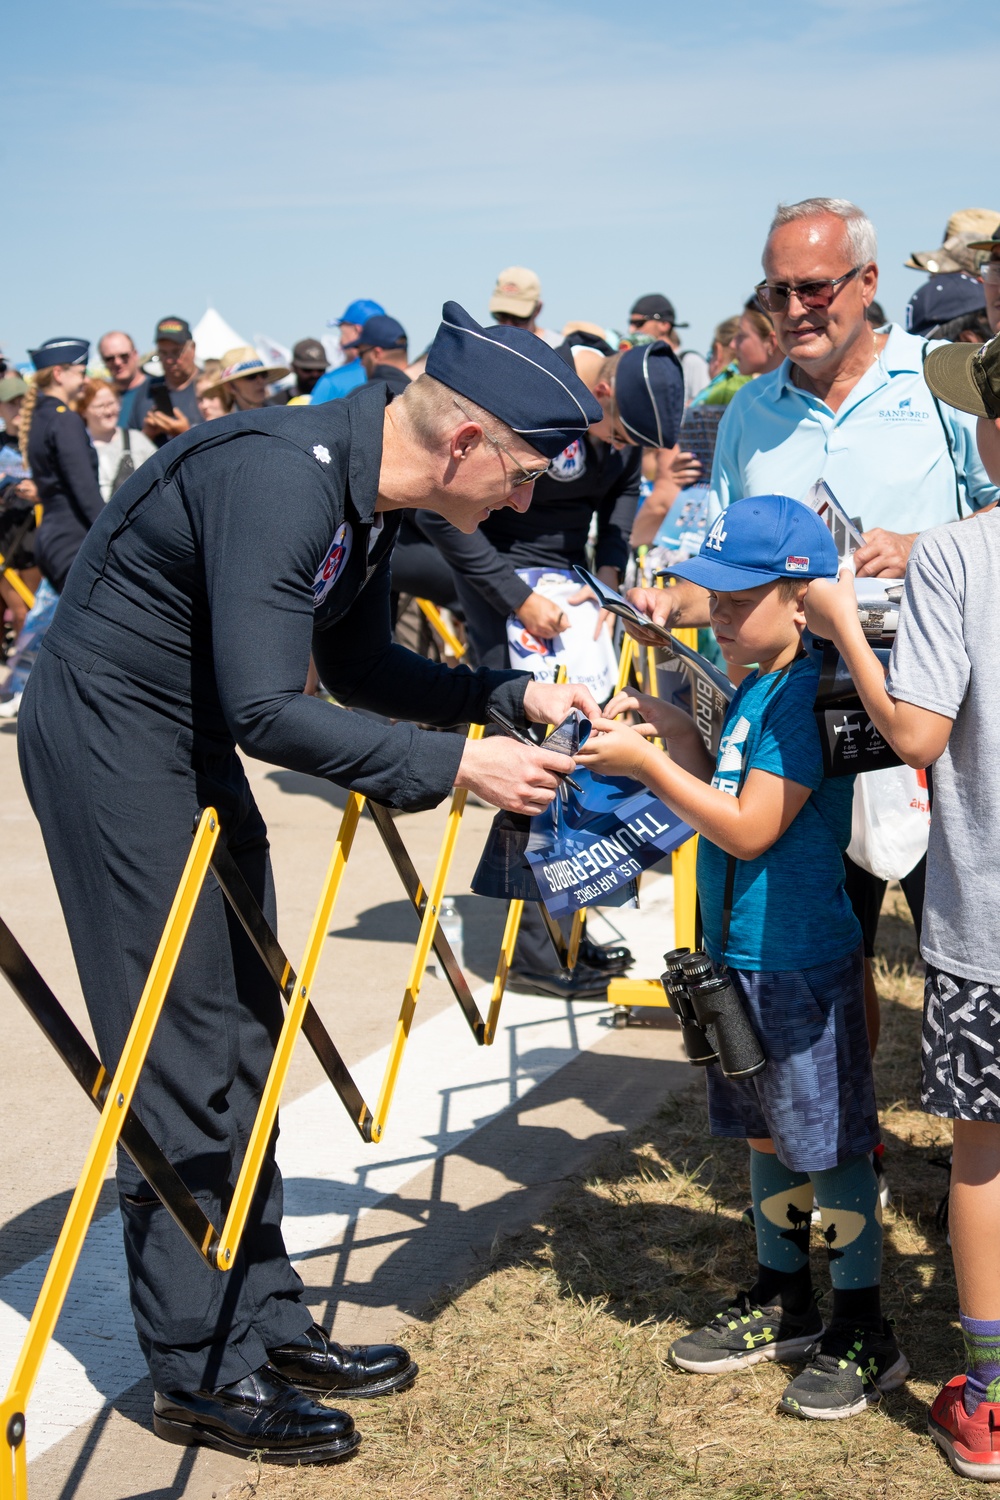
(960, 1050)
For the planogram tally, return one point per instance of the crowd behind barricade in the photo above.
(809, 380)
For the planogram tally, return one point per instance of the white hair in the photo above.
(859, 228)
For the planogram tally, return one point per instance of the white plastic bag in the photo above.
(890, 821)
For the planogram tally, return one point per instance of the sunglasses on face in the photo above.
(118, 359)
(813, 295)
(524, 476)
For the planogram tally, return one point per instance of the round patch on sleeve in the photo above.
(333, 563)
(571, 463)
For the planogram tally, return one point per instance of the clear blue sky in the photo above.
(279, 157)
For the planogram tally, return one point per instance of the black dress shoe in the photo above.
(260, 1414)
(316, 1363)
(611, 958)
(581, 983)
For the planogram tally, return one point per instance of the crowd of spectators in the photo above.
(808, 379)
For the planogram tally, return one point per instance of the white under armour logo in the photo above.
(717, 535)
(322, 452)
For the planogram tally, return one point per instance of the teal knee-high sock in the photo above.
(782, 1206)
(851, 1216)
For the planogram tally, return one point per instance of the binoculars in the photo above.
(714, 1025)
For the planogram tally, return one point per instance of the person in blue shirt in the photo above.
(767, 815)
(351, 374)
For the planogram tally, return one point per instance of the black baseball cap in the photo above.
(949, 295)
(173, 330)
(309, 354)
(655, 305)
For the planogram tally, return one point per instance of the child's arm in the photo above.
(918, 735)
(745, 826)
(672, 724)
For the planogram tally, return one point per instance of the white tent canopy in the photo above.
(213, 336)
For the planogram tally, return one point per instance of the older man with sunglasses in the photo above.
(848, 404)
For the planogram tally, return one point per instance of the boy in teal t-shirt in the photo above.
(794, 956)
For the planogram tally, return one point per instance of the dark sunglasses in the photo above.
(813, 295)
(115, 359)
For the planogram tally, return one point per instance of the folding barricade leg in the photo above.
(441, 628)
(14, 1469)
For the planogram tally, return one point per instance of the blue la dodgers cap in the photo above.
(759, 539)
(516, 376)
(358, 312)
(379, 332)
(942, 297)
(60, 352)
(649, 393)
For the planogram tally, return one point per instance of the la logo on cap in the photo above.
(717, 535)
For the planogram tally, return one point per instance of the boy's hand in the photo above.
(668, 720)
(831, 607)
(617, 749)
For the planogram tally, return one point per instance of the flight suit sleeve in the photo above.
(615, 516)
(265, 524)
(360, 664)
(74, 455)
(477, 561)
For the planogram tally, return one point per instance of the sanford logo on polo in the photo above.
(730, 763)
(903, 412)
(717, 535)
(333, 563)
(571, 463)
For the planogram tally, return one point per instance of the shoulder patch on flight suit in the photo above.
(333, 563)
(571, 463)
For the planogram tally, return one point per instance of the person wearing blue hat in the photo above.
(792, 949)
(350, 375)
(639, 399)
(950, 305)
(184, 632)
(60, 455)
(381, 348)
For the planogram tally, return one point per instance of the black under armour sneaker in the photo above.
(743, 1334)
(851, 1369)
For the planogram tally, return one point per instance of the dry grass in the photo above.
(546, 1376)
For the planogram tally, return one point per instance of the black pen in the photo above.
(525, 739)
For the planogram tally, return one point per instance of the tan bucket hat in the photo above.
(964, 235)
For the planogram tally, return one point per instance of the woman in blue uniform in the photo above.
(60, 455)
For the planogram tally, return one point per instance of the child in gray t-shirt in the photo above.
(940, 705)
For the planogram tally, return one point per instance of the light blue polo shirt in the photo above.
(883, 453)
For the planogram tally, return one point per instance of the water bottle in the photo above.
(450, 923)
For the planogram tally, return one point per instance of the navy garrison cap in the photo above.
(60, 352)
(516, 376)
(649, 392)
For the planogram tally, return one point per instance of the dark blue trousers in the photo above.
(115, 774)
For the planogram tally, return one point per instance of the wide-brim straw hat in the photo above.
(241, 361)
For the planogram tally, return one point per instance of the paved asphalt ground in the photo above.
(479, 1140)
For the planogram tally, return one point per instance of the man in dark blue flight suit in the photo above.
(185, 631)
(641, 396)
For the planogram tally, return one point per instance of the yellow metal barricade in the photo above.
(627, 993)
(441, 628)
(14, 1469)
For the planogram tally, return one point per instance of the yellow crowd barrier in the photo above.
(113, 1094)
(628, 993)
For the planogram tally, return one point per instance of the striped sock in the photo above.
(982, 1361)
